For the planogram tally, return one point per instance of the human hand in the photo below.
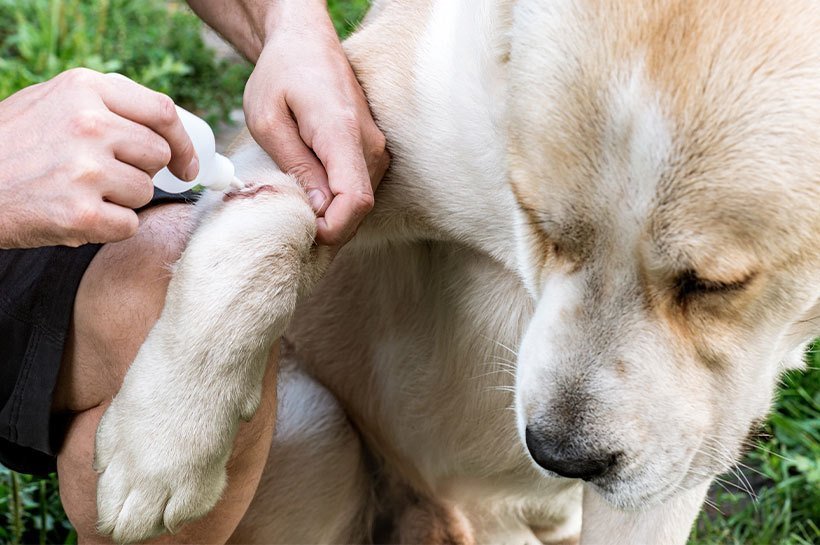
(306, 109)
(78, 155)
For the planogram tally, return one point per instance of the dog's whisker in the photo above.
(713, 505)
(723, 465)
(725, 458)
(750, 468)
(502, 345)
(776, 454)
(721, 482)
(760, 447)
(706, 500)
(493, 373)
(502, 363)
(506, 389)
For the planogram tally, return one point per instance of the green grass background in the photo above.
(158, 43)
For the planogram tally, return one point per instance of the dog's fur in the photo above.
(599, 231)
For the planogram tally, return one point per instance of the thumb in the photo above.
(281, 140)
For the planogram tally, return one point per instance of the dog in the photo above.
(593, 255)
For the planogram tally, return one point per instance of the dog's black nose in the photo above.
(570, 462)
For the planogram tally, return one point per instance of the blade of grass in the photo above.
(16, 510)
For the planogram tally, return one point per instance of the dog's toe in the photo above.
(134, 507)
(141, 515)
(192, 502)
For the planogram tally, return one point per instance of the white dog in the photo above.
(601, 214)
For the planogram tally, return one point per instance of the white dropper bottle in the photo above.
(216, 171)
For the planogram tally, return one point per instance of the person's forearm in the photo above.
(248, 24)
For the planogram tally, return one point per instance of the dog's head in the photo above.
(666, 159)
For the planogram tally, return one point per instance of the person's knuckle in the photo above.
(376, 143)
(337, 133)
(347, 120)
(127, 227)
(145, 189)
(264, 123)
(166, 110)
(88, 123)
(84, 218)
(70, 236)
(160, 151)
(301, 170)
(185, 151)
(363, 202)
(140, 189)
(164, 154)
(380, 141)
(335, 238)
(80, 76)
(86, 169)
(73, 241)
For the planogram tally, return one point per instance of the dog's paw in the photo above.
(160, 456)
(134, 505)
(146, 488)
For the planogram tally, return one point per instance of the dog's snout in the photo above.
(570, 462)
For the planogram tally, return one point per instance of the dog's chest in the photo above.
(426, 365)
(447, 409)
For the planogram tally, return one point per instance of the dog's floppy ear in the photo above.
(800, 336)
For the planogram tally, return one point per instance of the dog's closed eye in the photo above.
(689, 285)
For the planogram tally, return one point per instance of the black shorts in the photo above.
(37, 291)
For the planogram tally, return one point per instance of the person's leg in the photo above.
(119, 299)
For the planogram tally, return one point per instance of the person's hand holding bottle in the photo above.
(78, 155)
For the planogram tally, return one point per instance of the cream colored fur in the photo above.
(567, 177)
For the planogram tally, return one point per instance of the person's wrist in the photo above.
(295, 18)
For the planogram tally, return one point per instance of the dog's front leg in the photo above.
(668, 523)
(163, 443)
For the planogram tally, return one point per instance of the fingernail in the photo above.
(193, 169)
(316, 199)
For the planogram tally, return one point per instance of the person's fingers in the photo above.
(155, 111)
(376, 154)
(97, 221)
(279, 136)
(340, 150)
(116, 223)
(125, 185)
(139, 146)
(341, 219)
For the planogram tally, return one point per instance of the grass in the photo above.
(783, 472)
(151, 41)
(346, 14)
(31, 512)
(40, 38)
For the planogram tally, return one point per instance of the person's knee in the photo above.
(120, 298)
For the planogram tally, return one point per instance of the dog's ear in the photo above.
(800, 337)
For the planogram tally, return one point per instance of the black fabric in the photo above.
(37, 292)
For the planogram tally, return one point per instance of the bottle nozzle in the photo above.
(223, 175)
